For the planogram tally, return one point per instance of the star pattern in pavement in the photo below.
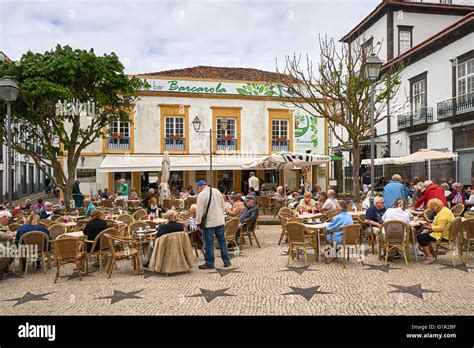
(299, 270)
(75, 275)
(415, 290)
(225, 271)
(210, 295)
(460, 267)
(118, 296)
(382, 268)
(30, 297)
(306, 293)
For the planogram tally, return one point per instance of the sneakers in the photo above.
(429, 260)
(227, 264)
(419, 253)
(205, 266)
(396, 256)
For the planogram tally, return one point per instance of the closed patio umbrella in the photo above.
(165, 176)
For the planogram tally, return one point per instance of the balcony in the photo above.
(226, 144)
(442, 2)
(416, 120)
(457, 109)
(117, 142)
(175, 143)
(280, 145)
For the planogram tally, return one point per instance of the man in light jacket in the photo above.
(214, 223)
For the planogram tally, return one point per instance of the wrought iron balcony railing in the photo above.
(456, 107)
(418, 118)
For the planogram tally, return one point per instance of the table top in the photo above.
(306, 215)
(157, 220)
(78, 234)
(356, 213)
(416, 212)
(317, 226)
(70, 224)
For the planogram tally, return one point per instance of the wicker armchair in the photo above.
(248, 229)
(285, 210)
(189, 201)
(127, 218)
(81, 224)
(331, 214)
(13, 227)
(106, 203)
(139, 214)
(298, 239)
(458, 209)
(100, 246)
(265, 204)
(135, 226)
(70, 250)
(41, 241)
(454, 229)
(128, 251)
(167, 203)
(284, 217)
(428, 215)
(396, 237)
(56, 230)
(46, 222)
(367, 233)
(468, 237)
(230, 231)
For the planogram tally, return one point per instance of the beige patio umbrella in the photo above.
(425, 155)
(165, 176)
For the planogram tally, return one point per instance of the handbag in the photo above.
(202, 225)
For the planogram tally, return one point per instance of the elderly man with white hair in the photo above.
(172, 226)
(47, 212)
(330, 204)
(5, 217)
(393, 190)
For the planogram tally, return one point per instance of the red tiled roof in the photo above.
(220, 73)
(5, 57)
(455, 25)
(380, 10)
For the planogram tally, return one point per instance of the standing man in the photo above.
(254, 183)
(393, 190)
(123, 189)
(365, 181)
(210, 216)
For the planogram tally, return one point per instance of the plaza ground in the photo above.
(258, 283)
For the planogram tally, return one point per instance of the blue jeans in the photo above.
(209, 244)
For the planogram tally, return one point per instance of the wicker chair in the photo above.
(100, 246)
(189, 201)
(69, 250)
(167, 203)
(56, 230)
(296, 219)
(298, 240)
(230, 231)
(265, 204)
(107, 203)
(351, 235)
(81, 224)
(285, 210)
(128, 251)
(458, 209)
(468, 237)
(120, 203)
(139, 214)
(248, 229)
(428, 215)
(454, 231)
(13, 227)
(39, 239)
(43, 224)
(135, 226)
(331, 214)
(396, 237)
(127, 218)
(46, 222)
(283, 217)
(367, 233)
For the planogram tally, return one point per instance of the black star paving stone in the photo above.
(118, 296)
(415, 290)
(461, 267)
(28, 297)
(299, 270)
(225, 271)
(210, 295)
(382, 268)
(75, 275)
(306, 293)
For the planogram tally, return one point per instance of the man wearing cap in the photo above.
(213, 224)
(254, 183)
(249, 216)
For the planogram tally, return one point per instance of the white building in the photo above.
(258, 124)
(434, 42)
(27, 178)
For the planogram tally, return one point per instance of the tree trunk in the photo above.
(355, 171)
(67, 191)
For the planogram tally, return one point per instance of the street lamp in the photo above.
(9, 92)
(372, 71)
(197, 126)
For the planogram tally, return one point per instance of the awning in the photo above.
(152, 163)
(336, 158)
(381, 161)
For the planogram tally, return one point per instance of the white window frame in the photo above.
(465, 68)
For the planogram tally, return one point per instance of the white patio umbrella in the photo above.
(286, 160)
(424, 155)
(165, 176)
(381, 161)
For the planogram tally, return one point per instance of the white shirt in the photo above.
(215, 216)
(254, 183)
(397, 214)
(329, 204)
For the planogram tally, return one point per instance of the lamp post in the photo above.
(372, 71)
(9, 92)
(197, 126)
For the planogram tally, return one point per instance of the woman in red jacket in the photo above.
(431, 191)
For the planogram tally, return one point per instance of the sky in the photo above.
(157, 35)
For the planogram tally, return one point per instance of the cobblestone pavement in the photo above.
(259, 283)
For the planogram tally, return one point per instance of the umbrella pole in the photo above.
(429, 169)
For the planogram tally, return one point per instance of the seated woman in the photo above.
(342, 219)
(307, 202)
(89, 207)
(238, 207)
(133, 195)
(434, 232)
(31, 225)
(154, 208)
(93, 227)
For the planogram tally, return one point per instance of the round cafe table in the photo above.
(306, 215)
(317, 228)
(157, 220)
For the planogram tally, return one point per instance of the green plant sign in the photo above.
(306, 131)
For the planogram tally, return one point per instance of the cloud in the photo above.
(158, 35)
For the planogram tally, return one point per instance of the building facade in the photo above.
(433, 42)
(248, 117)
